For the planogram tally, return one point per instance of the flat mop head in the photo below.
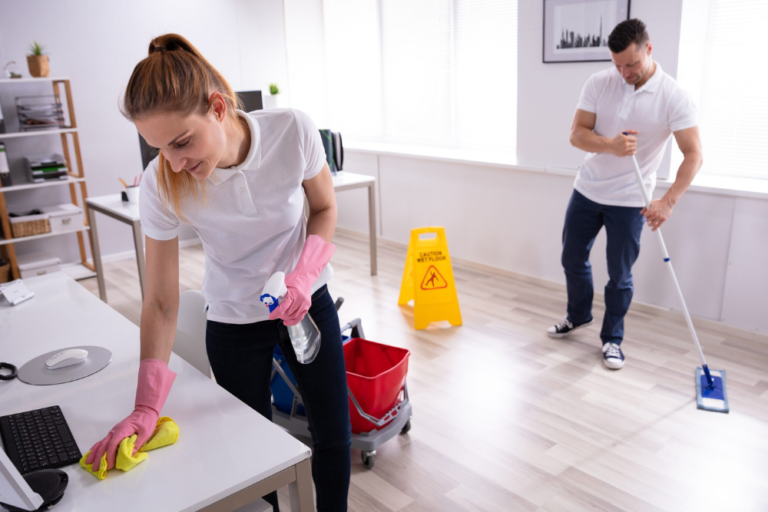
(711, 398)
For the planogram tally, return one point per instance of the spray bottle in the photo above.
(305, 336)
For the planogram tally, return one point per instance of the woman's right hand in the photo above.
(141, 421)
(155, 381)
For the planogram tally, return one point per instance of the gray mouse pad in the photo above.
(36, 373)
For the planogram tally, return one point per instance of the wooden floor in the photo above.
(507, 419)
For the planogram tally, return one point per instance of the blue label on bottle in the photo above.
(270, 301)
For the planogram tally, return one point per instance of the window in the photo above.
(426, 72)
(720, 64)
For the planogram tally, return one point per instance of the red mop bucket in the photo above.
(375, 380)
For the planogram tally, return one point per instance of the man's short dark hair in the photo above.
(626, 33)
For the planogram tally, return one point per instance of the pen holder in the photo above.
(131, 195)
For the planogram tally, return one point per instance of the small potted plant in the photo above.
(38, 63)
(274, 100)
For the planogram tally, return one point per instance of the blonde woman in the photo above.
(239, 179)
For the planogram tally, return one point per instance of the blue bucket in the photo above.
(282, 396)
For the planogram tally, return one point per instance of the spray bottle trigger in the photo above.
(271, 302)
(273, 290)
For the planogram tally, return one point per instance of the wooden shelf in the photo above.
(28, 186)
(31, 80)
(19, 135)
(5, 241)
(67, 134)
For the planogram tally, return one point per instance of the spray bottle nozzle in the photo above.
(305, 336)
(274, 290)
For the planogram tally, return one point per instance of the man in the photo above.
(637, 98)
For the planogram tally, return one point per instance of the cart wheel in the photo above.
(406, 427)
(368, 459)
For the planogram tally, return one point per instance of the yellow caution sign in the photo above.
(428, 279)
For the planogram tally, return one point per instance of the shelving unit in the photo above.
(19, 135)
(84, 269)
(9, 241)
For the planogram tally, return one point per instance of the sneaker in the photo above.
(613, 357)
(565, 328)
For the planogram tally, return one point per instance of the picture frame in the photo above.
(577, 30)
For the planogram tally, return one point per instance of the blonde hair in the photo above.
(175, 77)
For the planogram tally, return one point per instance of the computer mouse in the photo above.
(69, 357)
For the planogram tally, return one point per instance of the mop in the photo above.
(710, 384)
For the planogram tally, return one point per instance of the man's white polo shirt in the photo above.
(656, 110)
(252, 221)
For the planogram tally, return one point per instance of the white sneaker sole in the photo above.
(563, 335)
(614, 364)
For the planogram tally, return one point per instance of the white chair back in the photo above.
(190, 331)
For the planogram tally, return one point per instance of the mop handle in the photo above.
(667, 260)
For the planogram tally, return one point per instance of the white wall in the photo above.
(513, 219)
(97, 44)
(548, 93)
(305, 42)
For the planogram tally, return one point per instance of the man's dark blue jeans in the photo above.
(623, 225)
(241, 360)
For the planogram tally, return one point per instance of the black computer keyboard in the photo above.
(38, 439)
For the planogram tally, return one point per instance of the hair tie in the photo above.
(158, 48)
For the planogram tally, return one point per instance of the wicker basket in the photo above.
(5, 271)
(31, 228)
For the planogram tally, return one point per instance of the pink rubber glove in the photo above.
(314, 257)
(155, 381)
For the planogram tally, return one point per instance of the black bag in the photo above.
(334, 150)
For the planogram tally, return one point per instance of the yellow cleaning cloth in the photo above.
(166, 432)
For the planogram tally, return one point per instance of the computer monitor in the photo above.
(251, 101)
(14, 490)
(148, 153)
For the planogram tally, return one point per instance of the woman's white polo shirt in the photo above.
(252, 221)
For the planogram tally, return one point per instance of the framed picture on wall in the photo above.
(577, 30)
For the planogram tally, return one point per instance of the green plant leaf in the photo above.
(36, 49)
(273, 89)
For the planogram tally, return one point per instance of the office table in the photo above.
(128, 213)
(227, 454)
(345, 180)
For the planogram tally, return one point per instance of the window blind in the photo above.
(434, 72)
(733, 104)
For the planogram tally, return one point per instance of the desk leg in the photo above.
(372, 227)
(97, 255)
(301, 490)
(139, 243)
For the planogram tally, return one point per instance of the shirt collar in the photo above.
(652, 85)
(252, 160)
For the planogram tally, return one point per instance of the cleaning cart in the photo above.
(379, 407)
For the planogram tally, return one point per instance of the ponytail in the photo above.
(174, 77)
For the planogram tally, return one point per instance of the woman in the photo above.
(240, 181)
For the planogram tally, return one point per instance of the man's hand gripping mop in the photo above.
(710, 384)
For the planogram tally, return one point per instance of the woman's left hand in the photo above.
(296, 301)
(314, 257)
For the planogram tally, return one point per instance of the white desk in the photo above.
(348, 181)
(227, 454)
(113, 206)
